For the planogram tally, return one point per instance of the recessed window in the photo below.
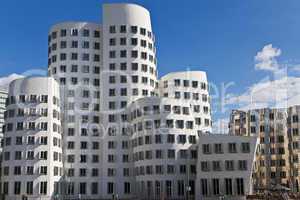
(134, 54)
(134, 41)
(86, 33)
(122, 41)
(96, 34)
(112, 41)
(142, 31)
(74, 32)
(112, 29)
(134, 29)
(123, 29)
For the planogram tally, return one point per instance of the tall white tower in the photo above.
(129, 73)
(75, 62)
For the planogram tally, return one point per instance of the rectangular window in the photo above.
(216, 186)
(228, 186)
(82, 188)
(94, 188)
(29, 187)
(43, 187)
(17, 188)
(204, 187)
(110, 188)
(240, 186)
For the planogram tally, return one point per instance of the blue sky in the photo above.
(221, 37)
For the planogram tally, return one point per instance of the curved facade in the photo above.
(32, 153)
(75, 62)
(126, 134)
(190, 87)
(129, 73)
(164, 147)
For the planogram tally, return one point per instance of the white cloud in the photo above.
(221, 126)
(4, 81)
(266, 58)
(296, 68)
(282, 92)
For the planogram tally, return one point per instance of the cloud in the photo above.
(266, 58)
(221, 126)
(296, 68)
(4, 81)
(282, 92)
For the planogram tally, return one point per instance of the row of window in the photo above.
(276, 174)
(84, 158)
(30, 112)
(29, 189)
(186, 83)
(229, 165)
(130, 29)
(170, 188)
(168, 169)
(84, 81)
(73, 56)
(271, 139)
(30, 126)
(272, 116)
(274, 151)
(149, 125)
(134, 80)
(17, 188)
(134, 67)
(134, 92)
(168, 123)
(215, 186)
(84, 119)
(31, 140)
(30, 170)
(231, 148)
(31, 155)
(75, 69)
(160, 139)
(273, 163)
(74, 45)
(167, 108)
(83, 131)
(188, 96)
(133, 42)
(133, 54)
(73, 32)
(32, 98)
(161, 154)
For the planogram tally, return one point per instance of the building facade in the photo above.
(277, 159)
(122, 132)
(74, 62)
(32, 156)
(3, 96)
(225, 164)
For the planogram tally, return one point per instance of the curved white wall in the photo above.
(191, 87)
(79, 77)
(164, 147)
(129, 73)
(32, 142)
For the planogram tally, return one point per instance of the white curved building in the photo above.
(190, 87)
(75, 62)
(32, 153)
(129, 73)
(164, 147)
(126, 134)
